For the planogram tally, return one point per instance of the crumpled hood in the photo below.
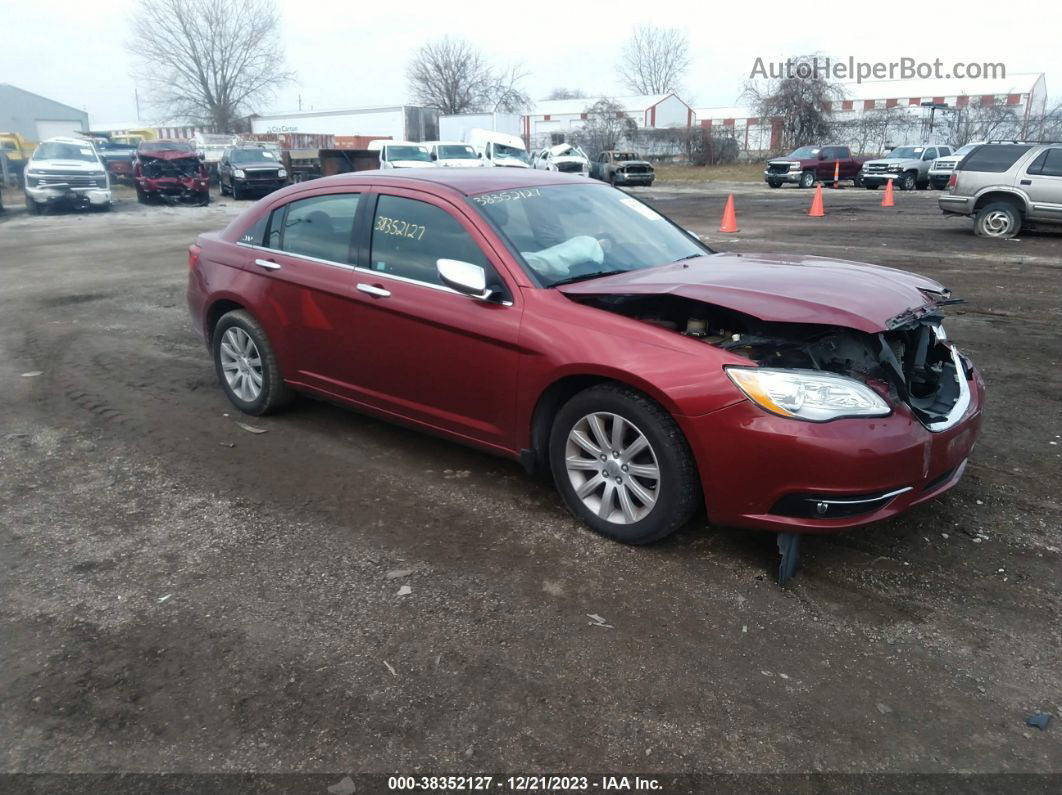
(782, 289)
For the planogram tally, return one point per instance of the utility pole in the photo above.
(136, 99)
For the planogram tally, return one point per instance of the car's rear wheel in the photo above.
(622, 465)
(246, 366)
(807, 179)
(1000, 220)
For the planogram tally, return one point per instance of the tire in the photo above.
(774, 183)
(1001, 220)
(857, 180)
(907, 181)
(807, 179)
(221, 187)
(205, 199)
(234, 189)
(141, 197)
(870, 185)
(229, 345)
(31, 206)
(672, 497)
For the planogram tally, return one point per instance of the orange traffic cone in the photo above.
(836, 173)
(729, 223)
(888, 200)
(816, 210)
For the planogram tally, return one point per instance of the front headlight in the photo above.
(282, 173)
(238, 173)
(807, 394)
(895, 168)
(794, 166)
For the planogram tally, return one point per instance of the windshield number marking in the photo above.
(506, 196)
(399, 228)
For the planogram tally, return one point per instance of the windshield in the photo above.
(625, 156)
(244, 156)
(53, 150)
(407, 153)
(457, 152)
(511, 152)
(906, 153)
(565, 232)
(805, 151)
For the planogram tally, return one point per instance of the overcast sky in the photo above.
(354, 53)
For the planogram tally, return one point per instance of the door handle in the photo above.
(1025, 182)
(268, 264)
(373, 290)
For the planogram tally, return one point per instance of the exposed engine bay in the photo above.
(157, 168)
(912, 361)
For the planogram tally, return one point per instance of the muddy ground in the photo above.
(179, 594)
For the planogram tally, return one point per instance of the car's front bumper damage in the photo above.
(67, 195)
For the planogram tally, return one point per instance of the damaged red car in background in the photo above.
(170, 172)
(570, 326)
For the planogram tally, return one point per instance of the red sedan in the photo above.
(571, 326)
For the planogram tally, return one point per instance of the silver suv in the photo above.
(1006, 186)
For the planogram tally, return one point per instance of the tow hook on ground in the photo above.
(789, 549)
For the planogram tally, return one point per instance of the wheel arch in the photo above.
(559, 392)
(217, 308)
(996, 195)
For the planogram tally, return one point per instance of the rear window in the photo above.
(995, 158)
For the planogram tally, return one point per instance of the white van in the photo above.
(452, 154)
(66, 172)
(499, 149)
(402, 154)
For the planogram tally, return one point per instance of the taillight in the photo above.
(193, 256)
(953, 180)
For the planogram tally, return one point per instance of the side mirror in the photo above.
(479, 155)
(464, 277)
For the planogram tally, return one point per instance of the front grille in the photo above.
(636, 170)
(876, 168)
(938, 166)
(569, 168)
(73, 180)
(778, 168)
(265, 173)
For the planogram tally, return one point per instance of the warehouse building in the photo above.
(400, 122)
(36, 118)
(873, 115)
(553, 120)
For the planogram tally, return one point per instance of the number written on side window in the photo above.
(409, 236)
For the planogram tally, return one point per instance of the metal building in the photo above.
(399, 122)
(36, 118)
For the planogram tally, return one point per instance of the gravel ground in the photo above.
(182, 595)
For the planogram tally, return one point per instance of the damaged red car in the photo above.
(170, 172)
(570, 326)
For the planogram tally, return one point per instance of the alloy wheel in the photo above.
(241, 364)
(612, 468)
(996, 224)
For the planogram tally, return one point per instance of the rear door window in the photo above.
(993, 158)
(408, 236)
(318, 227)
(1048, 164)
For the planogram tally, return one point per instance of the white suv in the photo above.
(66, 172)
(940, 171)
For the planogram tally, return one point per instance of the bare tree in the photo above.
(605, 127)
(452, 76)
(983, 122)
(654, 60)
(208, 61)
(802, 99)
(566, 93)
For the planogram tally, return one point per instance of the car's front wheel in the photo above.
(807, 179)
(999, 219)
(775, 183)
(907, 181)
(622, 465)
(246, 366)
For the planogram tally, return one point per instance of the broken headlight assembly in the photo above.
(807, 395)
